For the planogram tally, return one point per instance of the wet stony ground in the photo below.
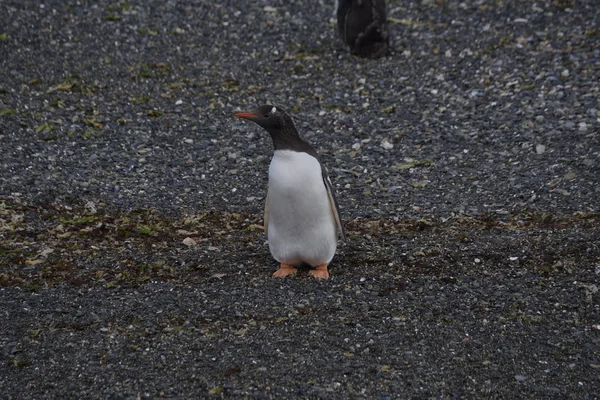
(132, 258)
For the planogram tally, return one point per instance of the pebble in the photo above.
(540, 149)
(386, 144)
(188, 241)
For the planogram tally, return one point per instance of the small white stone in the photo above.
(356, 146)
(90, 207)
(540, 149)
(179, 102)
(269, 9)
(188, 241)
(188, 141)
(465, 52)
(386, 144)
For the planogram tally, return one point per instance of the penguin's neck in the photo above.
(288, 138)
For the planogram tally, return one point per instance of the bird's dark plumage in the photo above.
(362, 26)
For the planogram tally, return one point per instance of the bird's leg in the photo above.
(372, 27)
(320, 272)
(284, 270)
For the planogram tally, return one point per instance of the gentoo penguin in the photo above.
(362, 26)
(302, 218)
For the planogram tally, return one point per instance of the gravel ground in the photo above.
(132, 259)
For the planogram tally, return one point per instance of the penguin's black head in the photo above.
(280, 126)
(272, 118)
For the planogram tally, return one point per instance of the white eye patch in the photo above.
(273, 110)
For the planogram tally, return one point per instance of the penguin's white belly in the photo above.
(302, 225)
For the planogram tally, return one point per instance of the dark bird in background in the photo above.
(362, 26)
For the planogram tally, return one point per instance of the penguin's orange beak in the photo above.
(245, 114)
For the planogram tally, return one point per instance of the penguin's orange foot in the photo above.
(320, 272)
(284, 270)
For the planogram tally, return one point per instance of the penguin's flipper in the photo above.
(266, 214)
(335, 208)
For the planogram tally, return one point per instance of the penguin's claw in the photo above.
(285, 270)
(320, 272)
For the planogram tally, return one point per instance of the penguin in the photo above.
(362, 26)
(302, 217)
